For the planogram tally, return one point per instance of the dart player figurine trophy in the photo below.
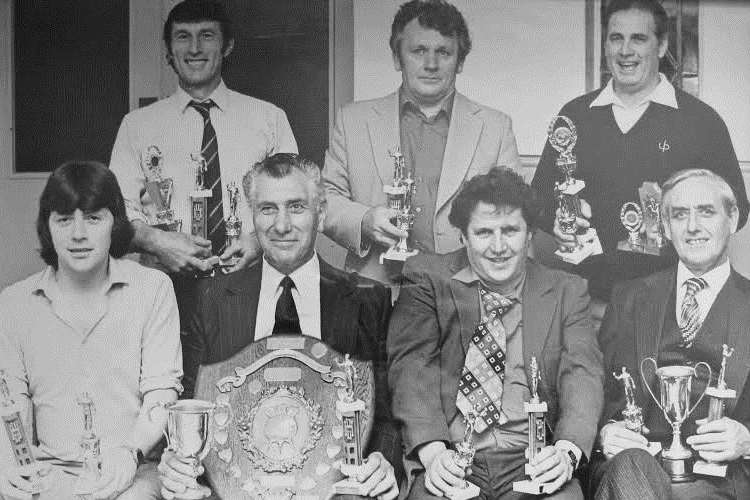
(233, 223)
(717, 397)
(536, 410)
(199, 197)
(400, 195)
(159, 189)
(643, 222)
(90, 450)
(350, 408)
(563, 139)
(464, 457)
(633, 414)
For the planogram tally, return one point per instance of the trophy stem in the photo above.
(676, 449)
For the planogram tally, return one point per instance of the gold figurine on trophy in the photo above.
(400, 196)
(464, 457)
(633, 414)
(90, 450)
(350, 408)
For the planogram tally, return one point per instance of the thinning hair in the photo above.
(500, 187)
(438, 15)
(88, 186)
(653, 7)
(282, 165)
(710, 178)
(195, 11)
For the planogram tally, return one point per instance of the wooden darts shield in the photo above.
(276, 432)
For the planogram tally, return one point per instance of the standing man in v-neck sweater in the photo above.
(637, 128)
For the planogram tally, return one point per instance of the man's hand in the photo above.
(18, 482)
(377, 226)
(179, 478)
(616, 438)
(183, 253)
(443, 474)
(118, 473)
(551, 466)
(722, 440)
(377, 478)
(567, 241)
(247, 250)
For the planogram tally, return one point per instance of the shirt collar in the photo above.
(304, 277)
(468, 276)
(406, 97)
(220, 97)
(715, 278)
(47, 282)
(664, 94)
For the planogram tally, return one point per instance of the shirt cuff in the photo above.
(566, 446)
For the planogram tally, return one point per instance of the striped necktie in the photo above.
(690, 314)
(210, 151)
(480, 388)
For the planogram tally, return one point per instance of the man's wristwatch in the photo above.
(573, 459)
(136, 453)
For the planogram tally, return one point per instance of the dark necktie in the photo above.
(690, 313)
(286, 320)
(212, 177)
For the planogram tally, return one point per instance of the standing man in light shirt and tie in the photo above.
(231, 130)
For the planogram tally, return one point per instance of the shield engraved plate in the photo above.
(276, 433)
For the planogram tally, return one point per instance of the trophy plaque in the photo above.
(536, 411)
(233, 224)
(160, 190)
(643, 222)
(90, 450)
(674, 391)
(717, 397)
(563, 139)
(464, 457)
(199, 198)
(633, 414)
(400, 195)
(297, 418)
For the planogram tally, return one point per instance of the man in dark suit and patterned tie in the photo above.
(291, 290)
(450, 309)
(680, 316)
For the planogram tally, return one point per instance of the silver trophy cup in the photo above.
(188, 428)
(674, 400)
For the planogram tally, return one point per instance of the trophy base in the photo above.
(680, 470)
(174, 226)
(393, 254)
(202, 193)
(230, 262)
(626, 246)
(571, 188)
(470, 490)
(349, 486)
(653, 447)
(589, 245)
(532, 487)
(721, 394)
(709, 469)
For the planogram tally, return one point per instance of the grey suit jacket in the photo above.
(358, 165)
(430, 330)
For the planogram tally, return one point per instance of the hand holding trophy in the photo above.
(400, 195)
(464, 457)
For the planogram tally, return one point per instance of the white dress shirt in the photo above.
(715, 278)
(306, 296)
(627, 116)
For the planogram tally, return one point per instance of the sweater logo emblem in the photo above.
(664, 146)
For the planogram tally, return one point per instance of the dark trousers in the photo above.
(494, 471)
(635, 475)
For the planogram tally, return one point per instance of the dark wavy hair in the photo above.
(195, 11)
(88, 186)
(653, 7)
(500, 187)
(439, 15)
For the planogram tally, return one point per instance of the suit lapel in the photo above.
(737, 297)
(383, 127)
(463, 137)
(536, 321)
(338, 310)
(241, 301)
(466, 302)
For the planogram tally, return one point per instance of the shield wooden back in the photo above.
(276, 432)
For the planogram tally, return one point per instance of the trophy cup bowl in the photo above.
(188, 427)
(674, 390)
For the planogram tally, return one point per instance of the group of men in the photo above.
(472, 310)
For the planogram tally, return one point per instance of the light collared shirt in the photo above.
(132, 349)
(627, 116)
(248, 130)
(716, 278)
(306, 296)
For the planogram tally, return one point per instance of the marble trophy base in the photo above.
(640, 247)
(679, 470)
(709, 468)
(531, 487)
(571, 188)
(173, 226)
(397, 255)
(469, 491)
(589, 245)
(349, 486)
(653, 447)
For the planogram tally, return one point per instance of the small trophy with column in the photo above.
(536, 411)
(643, 222)
(400, 196)
(464, 457)
(90, 450)
(199, 197)
(350, 408)
(717, 398)
(563, 139)
(633, 414)
(159, 189)
(233, 224)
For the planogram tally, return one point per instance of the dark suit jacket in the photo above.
(354, 319)
(431, 328)
(632, 330)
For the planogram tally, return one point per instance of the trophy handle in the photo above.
(646, 384)
(165, 406)
(708, 383)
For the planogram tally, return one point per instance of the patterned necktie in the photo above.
(690, 314)
(286, 319)
(480, 387)
(212, 178)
